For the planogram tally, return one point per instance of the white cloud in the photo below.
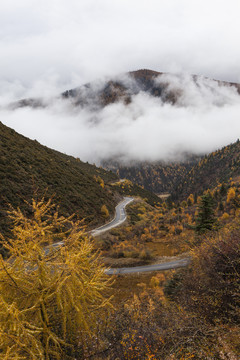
(49, 46)
(205, 118)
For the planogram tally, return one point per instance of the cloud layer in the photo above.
(205, 117)
(49, 46)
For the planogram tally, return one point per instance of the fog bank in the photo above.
(205, 118)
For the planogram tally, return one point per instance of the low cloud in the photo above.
(205, 118)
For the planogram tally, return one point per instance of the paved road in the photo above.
(155, 267)
(120, 217)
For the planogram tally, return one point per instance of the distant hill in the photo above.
(120, 88)
(158, 177)
(126, 85)
(180, 179)
(26, 166)
(217, 167)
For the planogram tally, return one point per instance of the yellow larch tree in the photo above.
(230, 195)
(50, 296)
(104, 211)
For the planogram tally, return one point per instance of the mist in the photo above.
(204, 118)
(48, 47)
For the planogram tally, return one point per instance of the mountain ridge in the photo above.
(115, 89)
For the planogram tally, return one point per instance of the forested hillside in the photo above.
(158, 177)
(180, 179)
(28, 168)
(217, 167)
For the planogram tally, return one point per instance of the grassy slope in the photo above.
(27, 166)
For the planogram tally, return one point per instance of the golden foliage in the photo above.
(104, 211)
(230, 195)
(50, 296)
(225, 216)
(190, 200)
(100, 181)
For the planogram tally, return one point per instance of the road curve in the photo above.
(120, 218)
(155, 267)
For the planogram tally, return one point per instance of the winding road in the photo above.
(154, 267)
(119, 219)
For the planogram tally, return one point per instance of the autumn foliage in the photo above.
(50, 296)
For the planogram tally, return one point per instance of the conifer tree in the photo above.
(50, 296)
(104, 211)
(223, 190)
(206, 218)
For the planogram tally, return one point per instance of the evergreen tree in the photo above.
(205, 219)
(223, 190)
(221, 206)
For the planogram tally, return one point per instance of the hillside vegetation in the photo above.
(217, 167)
(126, 188)
(28, 168)
(61, 309)
(180, 179)
(190, 313)
(158, 177)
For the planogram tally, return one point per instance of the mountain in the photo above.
(127, 85)
(217, 167)
(27, 166)
(122, 88)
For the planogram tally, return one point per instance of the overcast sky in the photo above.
(47, 46)
(69, 42)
